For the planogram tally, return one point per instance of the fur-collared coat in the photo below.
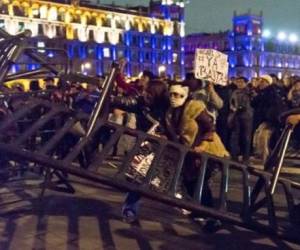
(191, 125)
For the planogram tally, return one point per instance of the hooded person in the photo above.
(188, 122)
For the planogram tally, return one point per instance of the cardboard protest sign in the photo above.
(211, 65)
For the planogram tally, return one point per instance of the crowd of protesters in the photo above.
(237, 121)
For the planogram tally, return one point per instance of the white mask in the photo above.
(178, 95)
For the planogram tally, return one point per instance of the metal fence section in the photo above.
(60, 151)
(47, 136)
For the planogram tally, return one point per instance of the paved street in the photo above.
(91, 219)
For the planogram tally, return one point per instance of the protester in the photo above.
(269, 102)
(188, 122)
(240, 121)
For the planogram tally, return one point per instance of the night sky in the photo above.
(216, 15)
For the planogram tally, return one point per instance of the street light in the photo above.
(266, 33)
(281, 36)
(293, 38)
(161, 69)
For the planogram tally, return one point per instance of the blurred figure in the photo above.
(268, 104)
(49, 83)
(240, 121)
(152, 101)
(294, 102)
(34, 85)
(204, 91)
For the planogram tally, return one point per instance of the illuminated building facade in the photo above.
(96, 35)
(249, 52)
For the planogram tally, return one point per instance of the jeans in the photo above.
(131, 202)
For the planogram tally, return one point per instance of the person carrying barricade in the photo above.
(152, 102)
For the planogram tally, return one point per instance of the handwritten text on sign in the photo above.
(211, 65)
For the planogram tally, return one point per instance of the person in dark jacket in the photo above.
(152, 102)
(268, 104)
(241, 121)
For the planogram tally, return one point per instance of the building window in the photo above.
(91, 51)
(120, 53)
(174, 57)
(106, 22)
(106, 37)
(135, 40)
(176, 44)
(40, 30)
(121, 38)
(134, 55)
(21, 26)
(147, 41)
(106, 52)
(147, 56)
(240, 29)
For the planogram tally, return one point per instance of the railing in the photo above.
(167, 167)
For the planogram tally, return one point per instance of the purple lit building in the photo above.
(93, 35)
(249, 53)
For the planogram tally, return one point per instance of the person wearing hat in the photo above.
(270, 101)
(264, 81)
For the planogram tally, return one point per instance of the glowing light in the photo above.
(12, 26)
(83, 34)
(43, 11)
(33, 27)
(281, 36)
(87, 65)
(266, 33)
(14, 69)
(113, 37)
(52, 14)
(99, 35)
(152, 26)
(181, 29)
(175, 57)
(41, 44)
(293, 38)
(161, 69)
(106, 52)
(127, 24)
(49, 30)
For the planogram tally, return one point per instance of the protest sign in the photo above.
(211, 65)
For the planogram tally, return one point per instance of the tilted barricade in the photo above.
(166, 169)
(243, 195)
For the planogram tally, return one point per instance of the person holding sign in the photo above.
(204, 91)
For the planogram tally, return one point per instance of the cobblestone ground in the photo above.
(90, 219)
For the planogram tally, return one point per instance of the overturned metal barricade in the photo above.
(167, 166)
(61, 151)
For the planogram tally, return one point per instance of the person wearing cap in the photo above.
(265, 81)
(269, 102)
